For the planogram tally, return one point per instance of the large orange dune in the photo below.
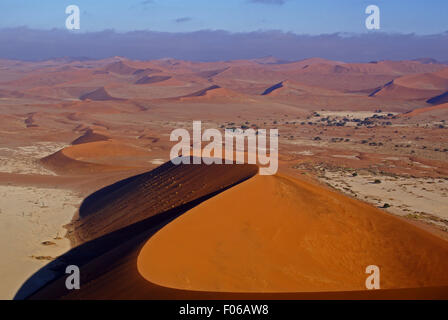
(220, 231)
(278, 234)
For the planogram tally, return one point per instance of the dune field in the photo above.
(85, 180)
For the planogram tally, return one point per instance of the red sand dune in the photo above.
(353, 76)
(291, 88)
(202, 92)
(167, 187)
(304, 64)
(90, 136)
(212, 92)
(153, 79)
(278, 234)
(96, 156)
(267, 237)
(270, 60)
(120, 67)
(99, 94)
(414, 87)
(435, 111)
(442, 98)
(11, 94)
(210, 73)
(54, 79)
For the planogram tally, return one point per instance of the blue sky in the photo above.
(298, 16)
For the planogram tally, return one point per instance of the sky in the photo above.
(210, 30)
(297, 16)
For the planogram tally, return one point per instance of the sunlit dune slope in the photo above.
(278, 234)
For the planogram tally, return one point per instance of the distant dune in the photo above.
(437, 112)
(293, 89)
(272, 88)
(210, 73)
(202, 92)
(99, 94)
(71, 79)
(416, 87)
(153, 79)
(10, 94)
(427, 60)
(443, 98)
(120, 67)
(90, 136)
(213, 92)
(98, 156)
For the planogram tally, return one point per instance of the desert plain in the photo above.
(86, 180)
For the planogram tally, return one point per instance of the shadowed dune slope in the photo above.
(292, 88)
(272, 88)
(202, 92)
(279, 234)
(442, 98)
(143, 196)
(90, 136)
(153, 79)
(115, 221)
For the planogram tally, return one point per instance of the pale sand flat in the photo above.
(404, 195)
(30, 216)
